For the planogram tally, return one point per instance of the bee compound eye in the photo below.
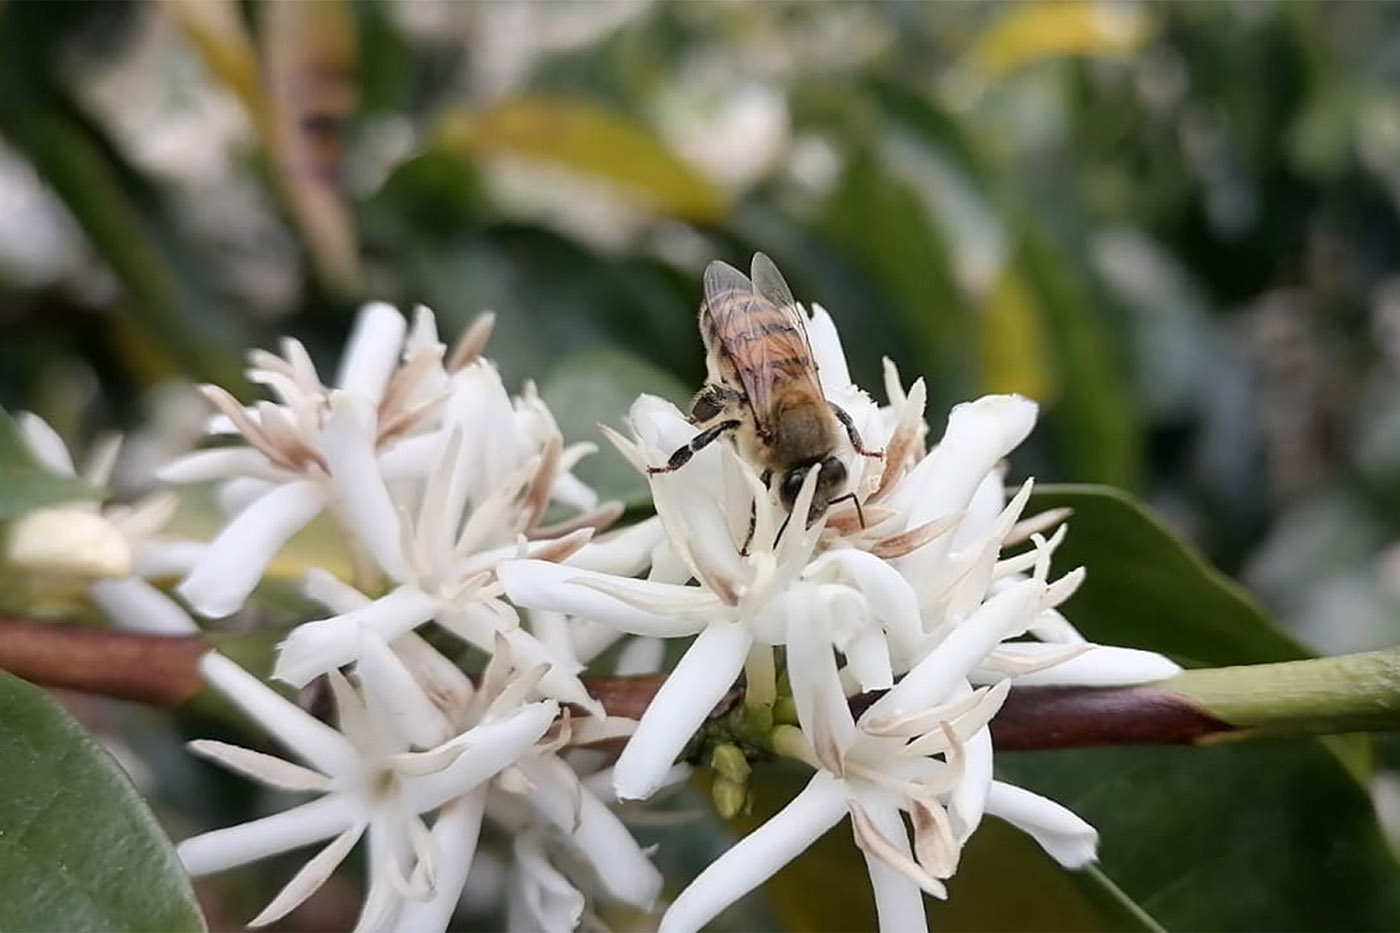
(832, 476)
(792, 485)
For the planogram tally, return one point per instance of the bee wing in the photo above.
(770, 284)
(759, 353)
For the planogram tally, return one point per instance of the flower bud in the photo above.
(69, 541)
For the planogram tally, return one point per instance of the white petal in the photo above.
(490, 748)
(1099, 666)
(44, 444)
(891, 598)
(167, 560)
(247, 842)
(982, 510)
(136, 605)
(700, 679)
(621, 865)
(755, 858)
(237, 558)
(539, 898)
(558, 587)
(640, 656)
(296, 730)
(395, 698)
(313, 648)
(259, 767)
(969, 799)
(372, 351)
(979, 434)
(560, 681)
(626, 552)
(816, 689)
(202, 466)
(899, 901)
(1062, 834)
(348, 445)
(455, 834)
(827, 351)
(330, 591)
(948, 664)
(310, 878)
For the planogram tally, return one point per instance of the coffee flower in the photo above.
(278, 480)
(371, 781)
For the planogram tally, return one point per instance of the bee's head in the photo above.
(831, 479)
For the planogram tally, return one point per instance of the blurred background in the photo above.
(1175, 226)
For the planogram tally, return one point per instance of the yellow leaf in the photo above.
(1040, 29)
(1014, 348)
(581, 137)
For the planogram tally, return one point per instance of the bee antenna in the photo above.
(851, 497)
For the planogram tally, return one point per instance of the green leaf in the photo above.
(576, 135)
(79, 850)
(24, 484)
(1149, 589)
(1030, 32)
(1266, 836)
(598, 387)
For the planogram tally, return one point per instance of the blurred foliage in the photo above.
(1175, 226)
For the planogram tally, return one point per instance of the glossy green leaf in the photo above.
(598, 387)
(25, 485)
(576, 135)
(1148, 588)
(79, 850)
(1265, 836)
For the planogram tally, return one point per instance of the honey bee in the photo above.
(762, 387)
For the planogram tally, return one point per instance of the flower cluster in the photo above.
(470, 537)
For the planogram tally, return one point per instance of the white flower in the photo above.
(481, 503)
(889, 762)
(745, 595)
(370, 782)
(279, 480)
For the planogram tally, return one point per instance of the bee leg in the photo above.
(753, 526)
(851, 497)
(711, 401)
(699, 442)
(852, 433)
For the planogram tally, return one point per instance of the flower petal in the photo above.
(372, 351)
(969, 799)
(490, 748)
(237, 558)
(313, 648)
(562, 588)
(455, 835)
(263, 768)
(394, 696)
(312, 875)
(1098, 666)
(961, 651)
(700, 679)
(755, 858)
(899, 900)
(348, 444)
(1065, 837)
(202, 466)
(44, 444)
(247, 842)
(296, 730)
(138, 606)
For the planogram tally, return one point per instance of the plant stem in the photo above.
(1320, 696)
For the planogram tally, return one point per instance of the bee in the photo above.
(762, 387)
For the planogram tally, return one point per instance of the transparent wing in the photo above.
(770, 284)
(763, 342)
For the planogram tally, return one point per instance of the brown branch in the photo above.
(155, 669)
(163, 671)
